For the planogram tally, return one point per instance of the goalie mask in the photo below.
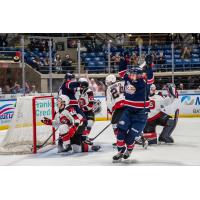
(152, 89)
(110, 79)
(64, 100)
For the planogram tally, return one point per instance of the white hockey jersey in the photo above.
(115, 96)
(85, 99)
(65, 119)
(157, 105)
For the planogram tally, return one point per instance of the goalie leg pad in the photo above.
(171, 125)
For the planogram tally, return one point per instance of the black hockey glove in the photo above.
(149, 59)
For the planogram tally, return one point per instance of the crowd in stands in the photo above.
(17, 89)
(37, 56)
(185, 58)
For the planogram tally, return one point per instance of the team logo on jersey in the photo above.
(130, 89)
(122, 123)
(82, 102)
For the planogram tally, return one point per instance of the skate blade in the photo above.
(117, 161)
(164, 143)
(65, 152)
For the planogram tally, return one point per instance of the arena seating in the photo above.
(98, 61)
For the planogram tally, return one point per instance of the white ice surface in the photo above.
(185, 150)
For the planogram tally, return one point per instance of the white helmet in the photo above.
(83, 80)
(153, 87)
(110, 79)
(65, 99)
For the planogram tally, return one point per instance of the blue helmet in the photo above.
(69, 76)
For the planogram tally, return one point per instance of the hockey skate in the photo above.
(118, 157)
(167, 140)
(114, 145)
(95, 148)
(142, 141)
(61, 148)
(127, 154)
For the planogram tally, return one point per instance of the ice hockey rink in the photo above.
(185, 150)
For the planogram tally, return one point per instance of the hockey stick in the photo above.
(43, 144)
(91, 139)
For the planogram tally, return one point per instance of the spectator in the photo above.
(58, 63)
(115, 63)
(36, 63)
(186, 53)
(0, 90)
(128, 59)
(134, 60)
(16, 89)
(33, 90)
(46, 61)
(67, 63)
(6, 89)
(101, 87)
(27, 88)
(93, 86)
(120, 39)
(160, 60)
(198, 88)
(181, 86)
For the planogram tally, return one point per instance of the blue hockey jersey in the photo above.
(68, 88)
(137, 92)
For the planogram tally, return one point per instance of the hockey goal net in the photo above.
(26, 131)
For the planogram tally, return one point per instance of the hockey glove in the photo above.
(149, 60)
(46, 121)
(172, 90)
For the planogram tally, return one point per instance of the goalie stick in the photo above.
(45, 142)
(91, 139)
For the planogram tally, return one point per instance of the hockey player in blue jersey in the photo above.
(68, 88)
(136, 103)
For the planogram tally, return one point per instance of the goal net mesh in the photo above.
(19, 138)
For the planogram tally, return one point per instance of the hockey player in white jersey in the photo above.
(66, 121)
(157, 115)
(115, 99)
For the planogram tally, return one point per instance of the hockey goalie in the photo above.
(159, 117)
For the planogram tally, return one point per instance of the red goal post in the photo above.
(34, 100)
